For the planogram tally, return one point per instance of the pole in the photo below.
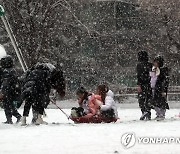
(13, 39)
(60, 109)
(14, 43)
(19, 50)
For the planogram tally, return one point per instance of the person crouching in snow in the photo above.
(159, 84)
(87, 104)
(108, 107)
(8, 89)
(36, 89)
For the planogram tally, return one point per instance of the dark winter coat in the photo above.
(38, 82)
(143, 80)
(10, 87)
(143, 68)
(1, 73)
(161, 86)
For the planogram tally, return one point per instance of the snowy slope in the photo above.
(68, 138)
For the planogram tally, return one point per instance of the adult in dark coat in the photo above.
(1, 73)
(9, 89)
(143, 85)
(160, 87)
(38, 82)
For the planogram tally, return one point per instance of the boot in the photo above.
(74, 112)
(35, 117)
(40, 120)
(143, 116)
(159, 118)
(18, 119)
(23, 121)
(146, 116)
(8, 122)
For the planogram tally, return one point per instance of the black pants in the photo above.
(108, 114)
(144, 98)
(79, 111)
(9, 108)
(36, 105)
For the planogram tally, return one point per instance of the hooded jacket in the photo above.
(161, 85)
(9, 78)
(39, 80)
(110, 103)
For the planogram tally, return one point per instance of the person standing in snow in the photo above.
(9, 88)
(107, 107)
(143, 85)
(38, 82)
(159, 84)
(1, 73)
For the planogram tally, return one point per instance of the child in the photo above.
(108, 107)
(38, 82)
(154, 74)
(8, 89)
(159, 85)
(87, 104)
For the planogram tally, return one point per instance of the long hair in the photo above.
(82, 90)
(103, 89)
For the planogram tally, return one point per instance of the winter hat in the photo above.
(7, 62)
(143, 56)
(159, 60)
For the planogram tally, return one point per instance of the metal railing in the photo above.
(125, 93)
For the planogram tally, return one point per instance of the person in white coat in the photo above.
(107, 106)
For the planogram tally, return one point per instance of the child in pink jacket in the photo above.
(88, 107)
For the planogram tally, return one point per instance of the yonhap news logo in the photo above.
(128, 140)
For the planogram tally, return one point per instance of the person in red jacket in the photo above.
(88, 106)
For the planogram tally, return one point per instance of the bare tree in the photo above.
(95, 40)
(167, 12)
(34, 23)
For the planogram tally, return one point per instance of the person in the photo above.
(143, 85)
(1, 73)
(108, 107)
(9, 89)
(37, 84)
(159, 84)
(87, 104)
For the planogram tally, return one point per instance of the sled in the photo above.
(93, 120)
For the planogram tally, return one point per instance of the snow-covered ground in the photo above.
(65, 137)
